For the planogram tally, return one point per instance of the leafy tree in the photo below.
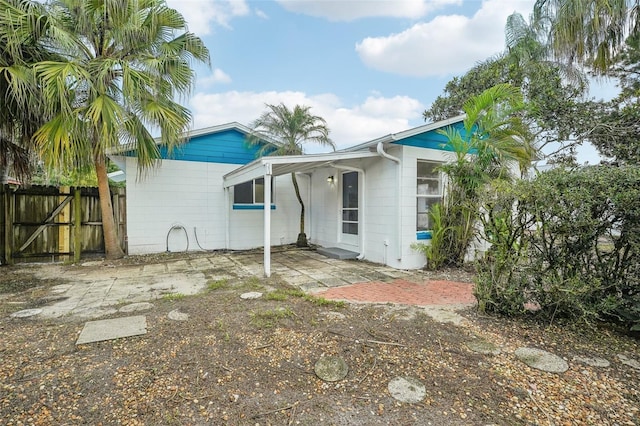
(292, 128)
(551, 90)
(493, 141)
(589, 32)
(616, 133)
(121, 64)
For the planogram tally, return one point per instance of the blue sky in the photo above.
(369, 67)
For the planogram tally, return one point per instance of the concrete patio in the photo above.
(97, 288)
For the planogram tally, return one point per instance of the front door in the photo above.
(350, 214)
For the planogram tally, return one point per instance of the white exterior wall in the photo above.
(190, 195)
(323, 208)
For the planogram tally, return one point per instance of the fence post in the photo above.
(77, 228)
(9, 210)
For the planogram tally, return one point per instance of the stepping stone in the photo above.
(629, 361)
(176, 315)
(331, 368)
(134, 307)
(542, 360)
(407, 389)
(26, 313)
(592, 361)
(337, 316)
(109, 329)
(251, 295)
(483, 347)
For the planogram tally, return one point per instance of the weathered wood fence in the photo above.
(41, 223)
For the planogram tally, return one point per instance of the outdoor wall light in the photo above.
(330, 179)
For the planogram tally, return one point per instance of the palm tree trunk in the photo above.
(302, 237)
(111, 242)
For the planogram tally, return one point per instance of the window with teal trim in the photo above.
(428, 193)
(252, 192)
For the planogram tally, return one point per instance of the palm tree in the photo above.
(122, 63)
(292, 128)
(20, 100)
(589, 32)
(494, 139)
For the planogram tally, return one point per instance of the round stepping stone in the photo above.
(251, 295)
(592, 361)
(331, 368)
(542, 360)
(334, 315)
(176, 315)
(26, 313)
(633, 363)
(134, 307)
(407, 389)
(483, 347)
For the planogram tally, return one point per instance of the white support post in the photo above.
(226, 218)
(267, 220)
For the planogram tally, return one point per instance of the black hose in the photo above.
(186, 234)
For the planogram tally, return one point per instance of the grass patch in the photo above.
(253, 284)
(283, 294)
(270, 318)
(321, 301)
(173, 296)
(217, 284)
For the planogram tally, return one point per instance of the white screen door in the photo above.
(350, 213)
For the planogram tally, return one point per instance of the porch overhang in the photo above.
(285, 164)
(266, 167)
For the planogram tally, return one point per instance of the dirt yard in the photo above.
(251, 362)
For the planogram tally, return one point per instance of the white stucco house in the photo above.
(370, 199)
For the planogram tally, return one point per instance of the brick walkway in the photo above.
(404, 292)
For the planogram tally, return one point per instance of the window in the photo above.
(429, 192)
(251, 192)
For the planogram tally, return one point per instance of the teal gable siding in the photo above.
(431, 139)
(227, 146)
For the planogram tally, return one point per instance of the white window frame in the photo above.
(253, 193)
(423, 193)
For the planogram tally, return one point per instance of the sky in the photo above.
(368, 67)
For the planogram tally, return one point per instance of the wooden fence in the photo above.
(44, 223)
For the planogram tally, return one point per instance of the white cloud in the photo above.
(375, 117)
(355, 9)
(261, 14)
(448, 44)
(216, 77)
(201, 15)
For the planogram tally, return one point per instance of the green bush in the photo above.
(568, 242)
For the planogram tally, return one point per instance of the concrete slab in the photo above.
(117, 328)
(337, 253)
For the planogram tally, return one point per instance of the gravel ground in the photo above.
(248, 362)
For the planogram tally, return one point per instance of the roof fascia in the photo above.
(393, 137)
(258, 167)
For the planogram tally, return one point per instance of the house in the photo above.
(370, 200)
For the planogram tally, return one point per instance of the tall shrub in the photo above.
(573, 246)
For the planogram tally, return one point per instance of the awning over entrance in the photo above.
(276, 166)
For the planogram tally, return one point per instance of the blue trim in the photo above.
(433, 139)
(227, 147)
(423, 235)
(251, 207)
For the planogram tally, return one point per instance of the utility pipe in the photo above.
(364, 197)
(380, 150)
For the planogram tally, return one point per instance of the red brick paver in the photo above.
(405, 292)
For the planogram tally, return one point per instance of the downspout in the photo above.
(380, 150)
(364, 197)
